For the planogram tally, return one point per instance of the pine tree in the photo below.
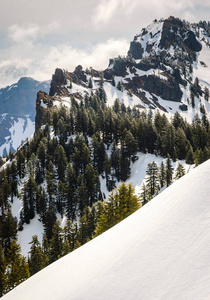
(60, 160)
(162, 174)
(2, 272)
(49, 222)
(181, 143)
(113, 81)
(56, 242)
(29, 196)
(8, 228)
(119, 86)
(81, 195)
(51, 181)
(69, 234)
(66, 247)
(70, 187)
(169, 171)
(152, 181)
(180, 171)
(17, 268)
(37, 259)
(90, 183)
(90, 84)
(145, 195)
(41, 153)
(206, 93)
(119, 205)
(189, 156)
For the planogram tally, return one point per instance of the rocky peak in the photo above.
(177, 33)
(58, 79)
(79, 75)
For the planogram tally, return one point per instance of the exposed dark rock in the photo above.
(41, 111)
(135, 50)
(183, 107)
(168, 90)
(178, 78)
(147, 63)
(79, 75)
(192, 42)
(58, 79)
(169, 32)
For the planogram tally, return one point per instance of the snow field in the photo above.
(159, 252)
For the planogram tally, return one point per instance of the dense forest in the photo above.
(59, 171)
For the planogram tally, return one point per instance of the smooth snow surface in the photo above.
(159, 252)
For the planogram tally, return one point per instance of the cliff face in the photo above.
(58, 80)
(43, 105)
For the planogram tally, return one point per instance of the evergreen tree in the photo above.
(119, 205)
(181, 143)
(13, 180)
(113, 81)
(17, 268)
(180, 171)
(2, 272)
(56, 242)
(169, 171)
(152, 181)
(37, 259)
(60, 201)
(70, 188)
(29, 196)
(66, 247)
(60, 160)
(21, 163)
(206, 93)
(81, 195)
(90, 183)
(119, 86)
(51, 182)
(8, 228)
(169, 142)
(41, 153)
(144, 195)
(162, 174)
(189, 156)
(69, 234)
(49, 222)
(90, 84)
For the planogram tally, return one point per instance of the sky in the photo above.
(37, 36)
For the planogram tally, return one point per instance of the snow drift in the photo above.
(159, 252)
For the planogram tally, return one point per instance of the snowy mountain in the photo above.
(166, 69)
(159, 252)
(17, 112)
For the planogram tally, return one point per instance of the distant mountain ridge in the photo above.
(17, 112)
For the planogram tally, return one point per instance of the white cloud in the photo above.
(21, 34)
(106, 10)
(45, 60)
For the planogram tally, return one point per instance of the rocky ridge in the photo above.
(159, 66)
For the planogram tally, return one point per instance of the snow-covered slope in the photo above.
(159, 252)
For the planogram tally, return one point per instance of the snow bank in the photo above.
(159, 252)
